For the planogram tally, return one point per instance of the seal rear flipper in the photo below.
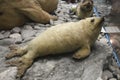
(82, 53)
(16, 51)
(22, 63)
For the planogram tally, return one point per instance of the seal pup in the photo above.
(68, 37)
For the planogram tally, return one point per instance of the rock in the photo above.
(8, 74)
(6, 42)
(106, 75)
(28, 39)
(27, 33)
(6, 34)
(3, 51)
(16, 30)
(17, 37)
(1, 36)
(99, 78)
(113, 79)
(37, 27)
(58, 22)
(92, 71)
(2, 31)
(27, 27)
(41, 25)
(118, 76)
(47, 25)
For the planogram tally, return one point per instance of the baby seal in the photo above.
(75, 37)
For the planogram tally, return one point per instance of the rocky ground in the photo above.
(98, 66)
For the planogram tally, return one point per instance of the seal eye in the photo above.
(92, 20)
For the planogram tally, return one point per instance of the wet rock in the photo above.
(27, 33)
(8, 74)
(16, 30)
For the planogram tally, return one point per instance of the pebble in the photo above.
(37, 27)
(16, 30)
(27, 33)
(17, 37)
(27, 27)
(113, 79)
(6, 34)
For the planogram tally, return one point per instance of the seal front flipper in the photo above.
(82, 53)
